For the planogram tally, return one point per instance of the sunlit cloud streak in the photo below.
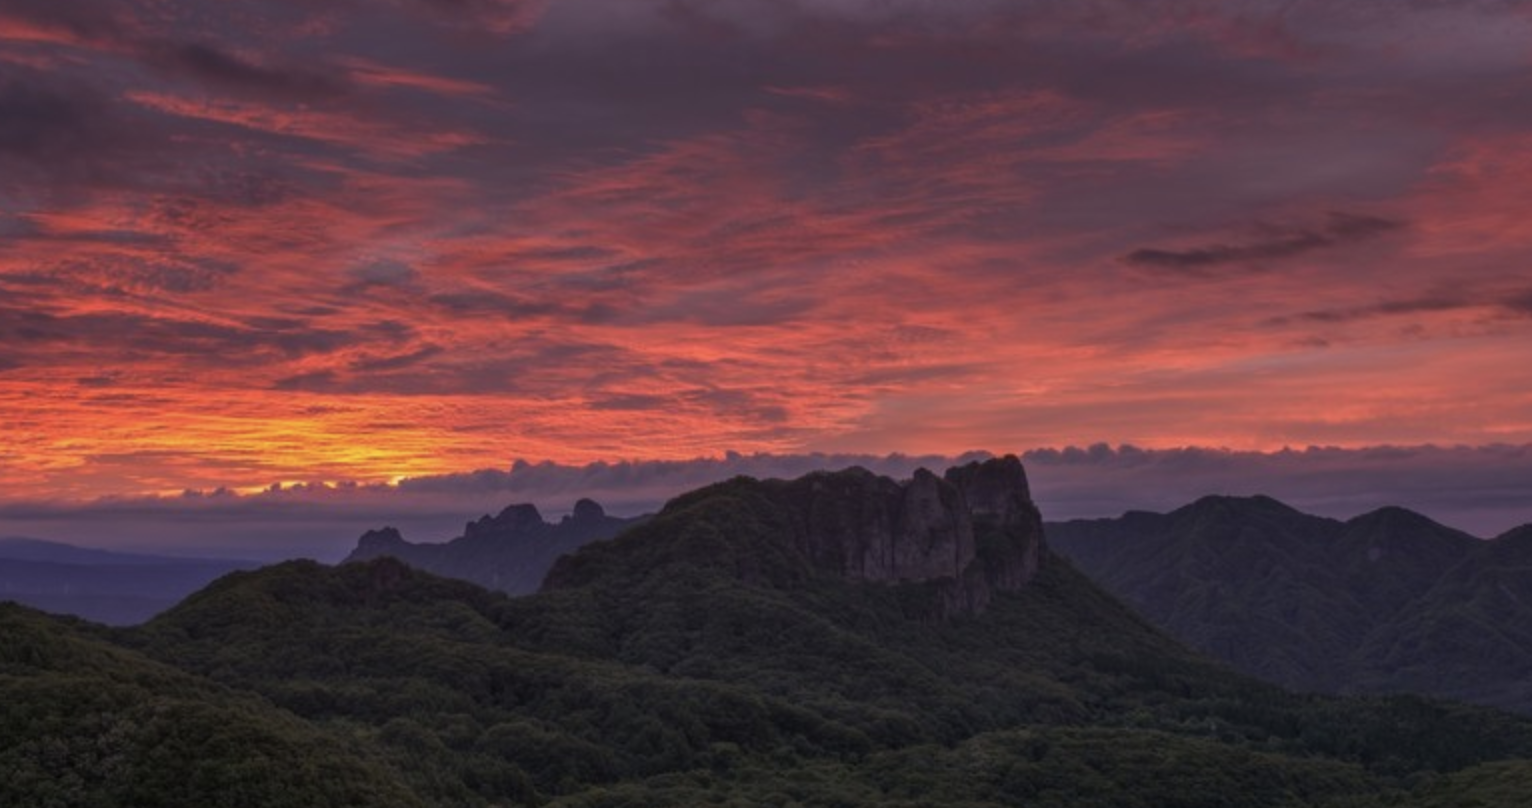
(368, 241)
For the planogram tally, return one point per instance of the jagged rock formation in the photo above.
(509, 552)
(708, 658)
(965, 535)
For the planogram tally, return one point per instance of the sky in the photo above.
(361, 244)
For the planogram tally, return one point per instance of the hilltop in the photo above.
(1388, 601)
(837, 640)
(509, 552)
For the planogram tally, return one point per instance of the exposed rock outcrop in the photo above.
(970, 533)
(509, 552)
(512, 521)
(963, 536)
(1000, 500)
(374, 543)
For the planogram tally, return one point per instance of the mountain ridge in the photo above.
(732, 650)
(102, 585)
(508, 552)
(966, 534)
(1317, 603)
(721, 652)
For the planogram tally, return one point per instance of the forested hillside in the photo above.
(722, 654)
(1389, 601)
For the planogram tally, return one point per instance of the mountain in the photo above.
(100, 585)
(1469, 636)
(509, 552)
(1388, 601)
(837, 640)
(23, 549)
(963, 537)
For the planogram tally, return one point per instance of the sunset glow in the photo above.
(244, 243)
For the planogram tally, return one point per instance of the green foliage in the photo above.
(87, 723)
(1492, 785)
(1386, 602)
(698, 660)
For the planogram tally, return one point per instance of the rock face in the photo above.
(999, 498)
(928, 529)
(963, 536)
(381, 542)
(509, 552)
(865, 527)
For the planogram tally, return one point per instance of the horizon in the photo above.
(402, 245)
(1480, 491)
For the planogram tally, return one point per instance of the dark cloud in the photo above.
(748, 404)
(62, 132)
(35, 123)
(475, 6)
(84, 20)
(103, 380)
(164, 269)
(524, 368)
(630, 402)
(105, 335)
(1415, 305)
(219, 68)
(1519, 303)
(399, 361)
(934, 372)
(238, 187)
(64, 139)
(317, 381)
(20, 231)
(1338, 229)
(495, 17)
(486, 301)
(1351, 226)
(383, 272)
(576, 254)
(718, 307)
(1514, 304)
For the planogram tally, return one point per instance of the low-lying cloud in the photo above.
(1478, 489)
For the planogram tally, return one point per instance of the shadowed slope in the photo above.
(737, 650)
(509, 552)
(1387, 601)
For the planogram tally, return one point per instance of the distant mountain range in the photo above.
(107, 587)
(842, 639)
(1388, 601)
(509, 552)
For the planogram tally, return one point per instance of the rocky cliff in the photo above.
(962, 536)
(509, 552)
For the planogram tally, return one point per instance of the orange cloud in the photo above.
(373, 74)
(368, 136)
(342, 259)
